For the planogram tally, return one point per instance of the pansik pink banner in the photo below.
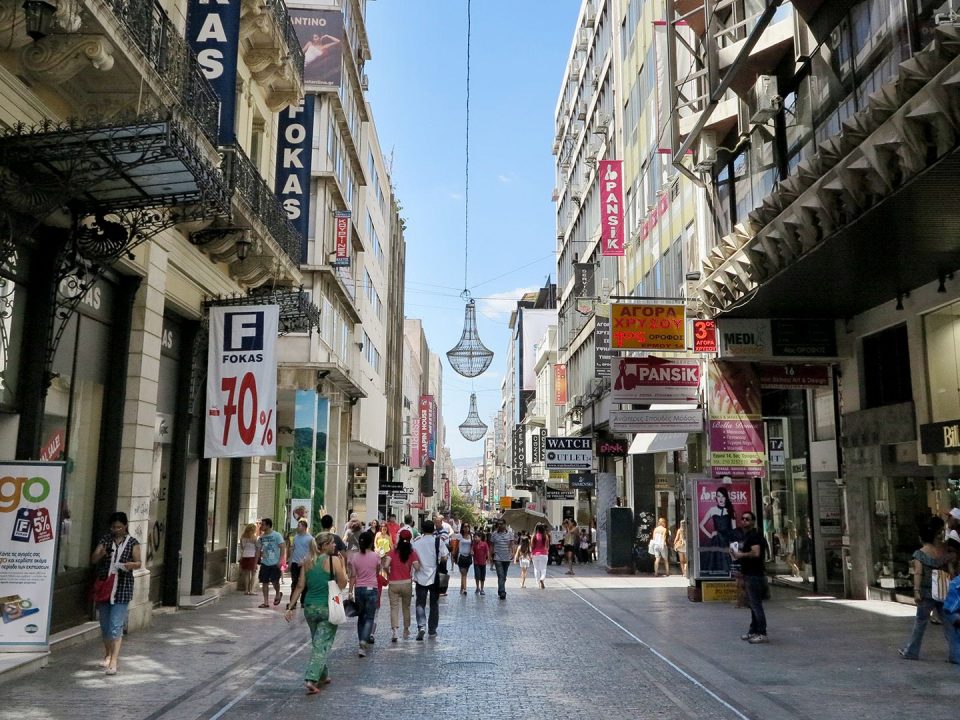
(719, 504)
(610, 173)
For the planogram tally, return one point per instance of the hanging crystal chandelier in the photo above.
(473, 428)
(470, 357)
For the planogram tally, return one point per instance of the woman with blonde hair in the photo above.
(320, 567)
(659, 548)
(248, 560)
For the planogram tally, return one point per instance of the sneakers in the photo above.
(477, 591)
(362, 652)
(393, 637)
(432, 634)
(420, 634)
(748, 636)
(482, 592)
(406, 633)
(758, 640)
(542, 586)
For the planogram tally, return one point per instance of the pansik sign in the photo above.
(610, 174)
(293, 166)
(648, 327)
(568, 453)
(213, 30)
(29, 534)
(649, 380)
(242, 382)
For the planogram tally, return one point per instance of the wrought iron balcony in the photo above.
(167, 52)
(247, 186)
(271, 50)
(295, 52)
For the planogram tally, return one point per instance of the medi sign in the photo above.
(213, 29)
(647, 327)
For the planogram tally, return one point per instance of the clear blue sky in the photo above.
(418, 94)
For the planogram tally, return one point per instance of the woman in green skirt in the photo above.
(318, 569)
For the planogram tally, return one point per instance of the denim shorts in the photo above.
(112, 619)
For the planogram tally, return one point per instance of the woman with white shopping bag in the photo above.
(322, 577)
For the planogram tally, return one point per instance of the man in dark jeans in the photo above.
(750, 555)
(501, 543)
(430, 552)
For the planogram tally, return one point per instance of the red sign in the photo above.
(446, 491)
(53, 447)
(560, 382)
(610, 174)
(653, 380)
(416, 505)
(342, 238)
(785, 377)
(423, 431)
(705, 336)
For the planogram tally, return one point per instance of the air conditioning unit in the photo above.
(765, 102)
(606, 287)
(273, 467)
(364, 82)
(590, 18)
(707, 151)
(576, 194)
(603, 123)
(581, 111)
(593, 154)
(583, 39)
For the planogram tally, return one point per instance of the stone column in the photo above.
(140, 417)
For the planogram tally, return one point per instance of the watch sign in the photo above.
(568, 453)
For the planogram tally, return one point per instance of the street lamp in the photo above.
(39, 16)
(464, 485)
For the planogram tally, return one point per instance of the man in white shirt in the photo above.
(429, 550)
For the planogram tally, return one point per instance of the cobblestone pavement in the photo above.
(589, 646)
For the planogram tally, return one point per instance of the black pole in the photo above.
(200, 528)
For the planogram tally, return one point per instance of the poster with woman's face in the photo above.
(719, 507)
(320, 33)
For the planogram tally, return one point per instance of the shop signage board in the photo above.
(342, 238)
(536, 448)
(779, 337)
(213, 31)
(610, 177)
(736, 436)
(787, 376)
(568, 453)
(718, 505)
(242, 382)
(653, 380)
(602, 353)
(30, 500)
(294, 160)
(941, 437)
(720, 591)
(657, 421)
(705, 336)
(608, 447)
(648, 327)
(519, 453)
(560, 384)
(556, 494)
(582, 481)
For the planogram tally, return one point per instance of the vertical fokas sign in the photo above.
(610, 173)
(29, 533)
(294, 151)
(242, 382)
(213, 29)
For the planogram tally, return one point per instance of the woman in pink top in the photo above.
(540, 550)
(398, 563)
(481, 554)
(364, 566)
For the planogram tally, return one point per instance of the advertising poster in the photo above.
(342, 239)
(648, 327)
(294, 146)
(718, 506)
(705, 336)
(560, 383)
(213, 30)
(737, 447)
(421, 451)
(652, 380)
(300, 510)
(320, 33)
(29, 534)
(242, 382)
(610, 174)
(602, 352)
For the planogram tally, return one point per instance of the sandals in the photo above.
(263, 605)
(276, 600)
(312, 688)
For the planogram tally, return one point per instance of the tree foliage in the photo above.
(462, 509)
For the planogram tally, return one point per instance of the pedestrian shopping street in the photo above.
(589, 646)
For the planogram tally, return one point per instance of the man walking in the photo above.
(326, 525)
(501, 542)
(409, 525)
(299, 551)
(271, 554)
(750, 554)
(430, 551)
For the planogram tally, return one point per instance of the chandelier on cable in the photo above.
(469, 357)
(473, 428)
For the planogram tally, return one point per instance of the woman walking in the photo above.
(481, 554)
(570, 542)
(660, 549)
(364, 566)
(320, 567)
(381, 538)
(464, 544)
(116, 556)
(399, 565)
(522, 556)
(928, 558)
(248, 560)
(680, 546)
(540, 553)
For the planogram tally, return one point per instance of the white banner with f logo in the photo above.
(242, 382)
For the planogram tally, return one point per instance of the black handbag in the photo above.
(350, 608)
(443, 579)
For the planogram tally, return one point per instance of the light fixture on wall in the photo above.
(943, 277)
(900, 296)
(243, 244)
(39, 17)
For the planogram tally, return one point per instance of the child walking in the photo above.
(523, 557)
(481, 554)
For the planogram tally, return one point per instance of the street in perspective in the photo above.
(558, 358)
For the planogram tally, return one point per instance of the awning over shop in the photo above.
(644, 443)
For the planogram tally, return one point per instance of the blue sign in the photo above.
(294, 151)
(213, 29)
(242, 331)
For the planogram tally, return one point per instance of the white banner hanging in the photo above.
(242, 381)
